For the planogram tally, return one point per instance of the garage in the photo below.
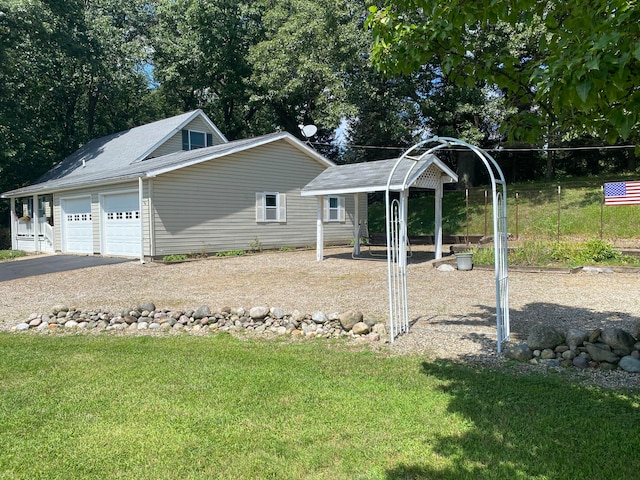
(121, 224)
(77, 228)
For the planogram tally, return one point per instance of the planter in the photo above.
(464, 261)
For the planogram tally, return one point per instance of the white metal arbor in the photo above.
(396, 218)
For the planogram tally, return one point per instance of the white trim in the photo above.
(339, 209)
(189, 132)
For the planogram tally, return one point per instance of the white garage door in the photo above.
(121, 217)
(77, 228)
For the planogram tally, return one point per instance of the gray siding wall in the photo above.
(95, 211)
(174, 144)
(210, 207)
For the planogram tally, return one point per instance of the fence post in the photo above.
(485, 212)
(517, 234)
(466, 195)
(558, 234)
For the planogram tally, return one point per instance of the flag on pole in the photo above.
(622, 193)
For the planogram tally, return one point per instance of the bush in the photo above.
(5, 238)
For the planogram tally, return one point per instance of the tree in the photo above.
(69, 71)
(579, 73)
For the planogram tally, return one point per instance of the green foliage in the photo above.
(560, 254)
(11, 254)
(174, 258)
(255, 245)
(5, 238)
(440, 419)
(230, 253)
(572, 69)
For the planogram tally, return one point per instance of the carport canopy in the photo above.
(396, 175)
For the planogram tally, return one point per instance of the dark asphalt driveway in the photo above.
(51, 264)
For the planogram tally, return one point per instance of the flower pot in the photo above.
(464, 261)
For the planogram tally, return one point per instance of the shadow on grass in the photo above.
(528, 426)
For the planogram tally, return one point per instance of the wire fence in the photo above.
(558, 212)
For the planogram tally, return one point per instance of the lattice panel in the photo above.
(430, 178)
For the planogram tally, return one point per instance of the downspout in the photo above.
(140, 197)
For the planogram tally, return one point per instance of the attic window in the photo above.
(192, 139)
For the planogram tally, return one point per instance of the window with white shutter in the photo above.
(271, 207)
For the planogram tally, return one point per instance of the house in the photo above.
(178, 186)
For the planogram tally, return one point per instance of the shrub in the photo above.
(174, 258)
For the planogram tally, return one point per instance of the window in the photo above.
(271, 207)
(192, 139)
(334, 209)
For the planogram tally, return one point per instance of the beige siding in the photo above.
(95, 211)
(174, 144)
(210, 207)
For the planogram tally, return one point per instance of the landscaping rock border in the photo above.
(609, 348)
(260, 319)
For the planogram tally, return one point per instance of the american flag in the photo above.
(622, 193)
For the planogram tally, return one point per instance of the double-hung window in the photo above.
(192, 139)
(271, 207)
(334, 210)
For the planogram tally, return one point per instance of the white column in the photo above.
(140, 198)
(320, 230)
(437, 233)
(35, 221)
(356, 224)
(14, 224)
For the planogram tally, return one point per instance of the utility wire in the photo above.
(495, 149)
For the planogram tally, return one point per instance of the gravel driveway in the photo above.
(452, 312)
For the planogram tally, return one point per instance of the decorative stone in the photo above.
(601, 352)
(319, 317)
(629, 364)
(70, 324)
(521, 352)
(297, 316)
(547, 354)
(541, 337)
(35, 322)
(380, 329)
(580, 362)
(201, 312)
(594, 336)
(349, 318)
(277, 313)
(360, 328)
(148, 306)
(55, 310)
(259, 313)
(143, 325)
(445, 267)
(129, 319)
(575, 338)
(569, 355)
(620, 341)
(22, 326)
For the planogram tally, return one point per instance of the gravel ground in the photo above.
(452, 313)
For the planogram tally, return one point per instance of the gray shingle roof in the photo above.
(158, 165)
(117, 151)
(373, 176)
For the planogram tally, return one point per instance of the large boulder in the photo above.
(620, 341)
(520, 352)
(259, 312)
(201, 312)
(630, 364)
(600, 352)
(575, 338)
(349, 318)
(542, 336)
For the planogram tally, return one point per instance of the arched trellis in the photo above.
(396, 221)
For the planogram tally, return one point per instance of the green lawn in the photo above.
(186, 407)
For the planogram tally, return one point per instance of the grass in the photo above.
(220, 407)
(535, 213)
(11, 254)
